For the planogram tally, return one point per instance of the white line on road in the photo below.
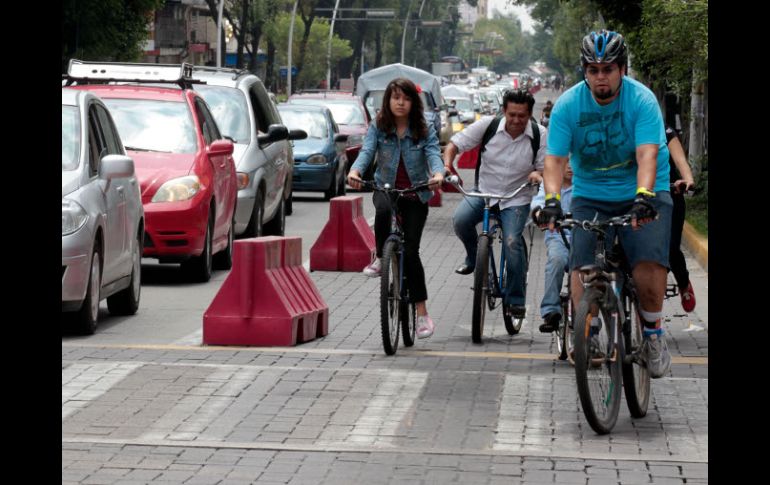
(195, 338)
(82, 383)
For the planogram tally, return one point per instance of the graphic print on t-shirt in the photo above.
(603, 138)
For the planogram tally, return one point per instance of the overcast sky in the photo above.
(521, 12)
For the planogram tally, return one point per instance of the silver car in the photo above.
(101, 214)
(244, 113)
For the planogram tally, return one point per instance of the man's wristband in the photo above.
(644, 191)
(553, 195)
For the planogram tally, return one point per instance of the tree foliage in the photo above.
(105, 30)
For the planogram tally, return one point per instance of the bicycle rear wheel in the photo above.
(390, 303)
(480, 289)
(597, 363)
(636, 377)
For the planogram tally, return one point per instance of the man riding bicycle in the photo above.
(611, 130)
(507, 160)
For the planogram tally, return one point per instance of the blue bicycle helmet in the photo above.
(603, 47)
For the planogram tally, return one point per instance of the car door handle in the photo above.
(121, 192)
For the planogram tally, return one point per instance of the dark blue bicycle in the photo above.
(488, 286)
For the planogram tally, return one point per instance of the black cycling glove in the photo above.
(551, 212)
(643, 208)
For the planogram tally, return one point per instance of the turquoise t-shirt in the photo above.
(601, 141)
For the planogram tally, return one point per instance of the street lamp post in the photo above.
(329, 51)
(291, 40)
(403, 37)
(219, 33)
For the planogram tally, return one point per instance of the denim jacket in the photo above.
(422, 159)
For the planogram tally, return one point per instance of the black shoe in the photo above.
(516, 311)
(464, 269)
(551, 323)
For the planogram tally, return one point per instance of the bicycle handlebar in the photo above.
(388, 189)
(594, 225)
(455, 180)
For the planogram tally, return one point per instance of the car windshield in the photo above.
(229, 107)
(70, 137)
(463, 104)
(313, 123)
(157, 126)
(374, 102)
(344, 112)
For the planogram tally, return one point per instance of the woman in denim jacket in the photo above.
(408, 154)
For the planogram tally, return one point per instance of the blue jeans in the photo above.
(556, 264)
(469, 213)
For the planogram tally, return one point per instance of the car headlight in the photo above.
(175, 190)
(73, 216)
(243, 180)
(316, 160)
(354, 140)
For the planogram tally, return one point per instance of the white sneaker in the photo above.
(425, 327)
(374, 268)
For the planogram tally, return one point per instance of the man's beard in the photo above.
(606, 95)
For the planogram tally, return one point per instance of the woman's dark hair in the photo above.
(518, 96)
(386, 121)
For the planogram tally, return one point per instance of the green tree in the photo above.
(105, 30)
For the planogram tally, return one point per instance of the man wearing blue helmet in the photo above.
(611, 130)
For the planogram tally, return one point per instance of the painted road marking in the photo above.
(692, 360)
(82, 383)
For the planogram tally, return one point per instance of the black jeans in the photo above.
(675, 257)
(413, 216)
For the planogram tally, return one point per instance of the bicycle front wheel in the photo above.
(513, 324)
(481, 289)
(407, 315)
(597, 362)
(390, 302)
(636, 377)
(563, 335)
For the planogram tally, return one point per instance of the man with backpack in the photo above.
(511, 152)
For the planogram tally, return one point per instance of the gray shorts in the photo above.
(648, 243)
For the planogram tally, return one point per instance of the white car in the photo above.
(101, 214)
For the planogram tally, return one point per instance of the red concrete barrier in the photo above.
(346, 242)
(267, 299)
(435, 201)
(468, 159)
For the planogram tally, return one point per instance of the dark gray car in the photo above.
(263, 154)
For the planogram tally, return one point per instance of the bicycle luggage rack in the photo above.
(83, 72)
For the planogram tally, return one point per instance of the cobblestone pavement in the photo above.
(337, 410)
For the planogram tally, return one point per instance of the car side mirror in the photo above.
(221, 147)
(116, 166)
(297, 135)
(339, 137)
(275, 132)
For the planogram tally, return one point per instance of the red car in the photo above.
(185, 170)
(349, 113)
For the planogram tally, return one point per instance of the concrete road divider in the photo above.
(468, 159)
(347, 242)
(267, 299)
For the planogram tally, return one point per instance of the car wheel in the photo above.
(88, 316)
(254, 228)
(199, 268)
(126, 301)
(276, 226)
(224, 259)
(332, 190)
(289, 203)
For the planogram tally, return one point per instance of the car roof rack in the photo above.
(85, 72)
(324, 91)
(225, 70)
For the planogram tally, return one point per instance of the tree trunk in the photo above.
(696, 126)
(378, 48)
(241, 37)
(308, 21)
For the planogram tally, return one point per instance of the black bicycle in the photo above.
(397, 311)
(609, 307)
(488, 287)
(565, 340)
